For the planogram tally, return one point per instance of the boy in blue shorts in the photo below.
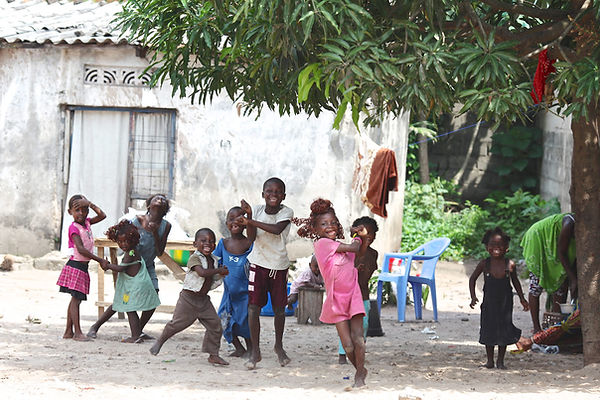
(268, 225)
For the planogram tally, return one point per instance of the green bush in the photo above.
(430, 212)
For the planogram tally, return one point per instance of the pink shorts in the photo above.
(262, 281)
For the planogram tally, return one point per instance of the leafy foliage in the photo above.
(428, 214)
(375, 57)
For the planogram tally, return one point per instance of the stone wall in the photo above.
(464, 157)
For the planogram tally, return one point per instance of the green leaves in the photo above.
(577, 85)
(374, 57)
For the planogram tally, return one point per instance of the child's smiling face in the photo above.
(496, 246)
(232, 225)
(273, 194)
(327, 226)
(205, 243)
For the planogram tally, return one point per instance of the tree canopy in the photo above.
(384, 56)
(375, 56)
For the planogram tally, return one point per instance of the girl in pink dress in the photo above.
(343, 305)
(74, 278)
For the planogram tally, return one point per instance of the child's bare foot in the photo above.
(80, 337)
(359, 378)
(216, 360)
(489, 364)
(253, 360)
(145, 336)
(238, 353)
(154, 350)
(500, 365)
(342, 359)
(132, 340)
(282, 356)
(92, 333)
(68, 335)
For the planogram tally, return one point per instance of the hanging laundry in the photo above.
(375, 175)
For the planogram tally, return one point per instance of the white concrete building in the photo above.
(76, 116)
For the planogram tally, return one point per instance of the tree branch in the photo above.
(550, 13)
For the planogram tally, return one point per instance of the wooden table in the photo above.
(102, 243)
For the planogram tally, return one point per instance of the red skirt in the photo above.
(74, 279)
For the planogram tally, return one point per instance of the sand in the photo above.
(405, 363)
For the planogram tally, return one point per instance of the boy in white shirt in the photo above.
(268, 265)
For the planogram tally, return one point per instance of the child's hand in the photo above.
(104, 264)
(223, 271)
(82, 202)
(241, 220)
(525, 305)
(474, 301)
(246, 207)
(359, 230)
(152, 226)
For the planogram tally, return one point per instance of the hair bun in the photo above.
(320, 206)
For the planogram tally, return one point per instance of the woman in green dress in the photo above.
(549, 251)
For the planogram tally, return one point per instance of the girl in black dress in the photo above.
(497, 328)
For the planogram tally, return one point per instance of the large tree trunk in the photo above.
(585, 199)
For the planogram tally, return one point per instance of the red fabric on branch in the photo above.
(544, 68)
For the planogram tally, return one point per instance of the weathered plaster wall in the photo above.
(220, 157)
(555, 180)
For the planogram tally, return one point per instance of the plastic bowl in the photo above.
(567, 308)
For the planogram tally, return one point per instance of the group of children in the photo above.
(254, 265)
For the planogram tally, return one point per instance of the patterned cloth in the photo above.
(73, 278)
(87, 239)
(344, 299)
(540, 249)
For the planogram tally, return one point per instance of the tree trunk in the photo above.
(423, 159)
(585, 199)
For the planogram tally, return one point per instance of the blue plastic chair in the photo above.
(267, 310)
(429, 253)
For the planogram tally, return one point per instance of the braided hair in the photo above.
(307, 225)
(124, 227)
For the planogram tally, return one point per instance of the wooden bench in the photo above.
(310, 304)
(102, 243)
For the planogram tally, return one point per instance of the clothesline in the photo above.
(448, 133)
(466, 127)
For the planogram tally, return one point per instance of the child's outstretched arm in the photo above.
(209, 272)
(517, 285)
(84, 252)
(472, 280)
(358, 237)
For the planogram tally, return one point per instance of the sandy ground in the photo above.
(35, 362)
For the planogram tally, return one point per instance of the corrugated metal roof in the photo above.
(59, 22)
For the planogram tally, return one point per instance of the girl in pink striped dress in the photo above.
(74, 277)
(344, 305)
